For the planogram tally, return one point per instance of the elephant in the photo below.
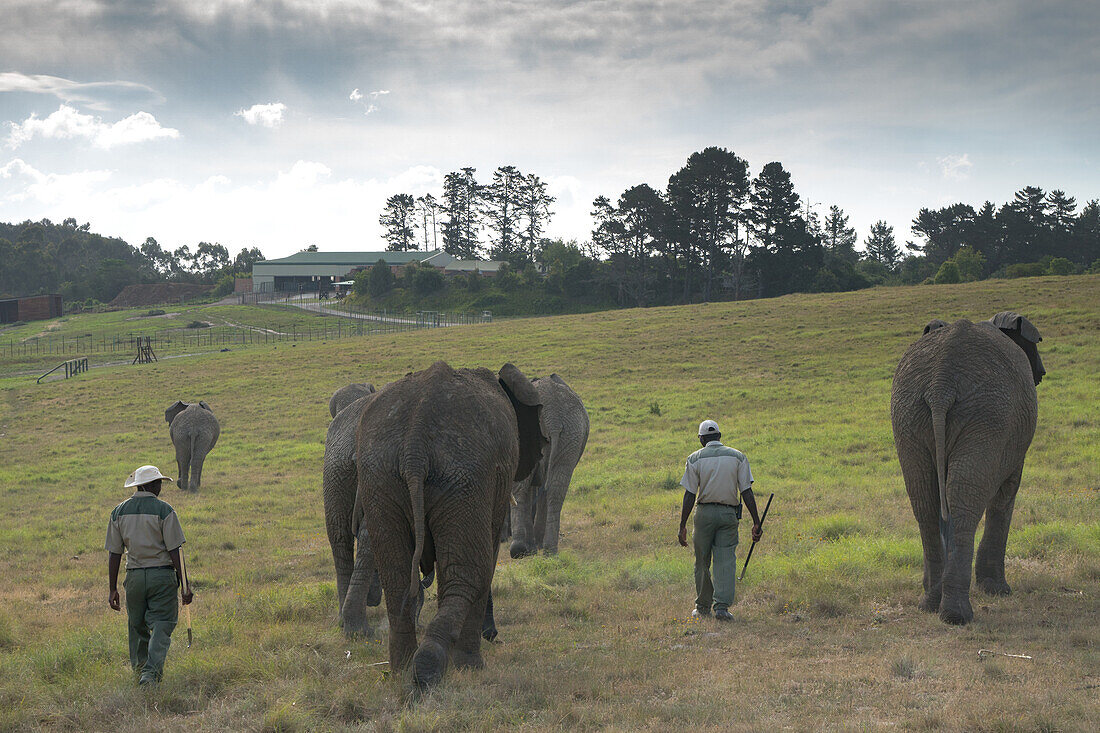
(354, 569)
(194, 431)
(347, 394)
(963, 409)
(437, 454)
(536, 516)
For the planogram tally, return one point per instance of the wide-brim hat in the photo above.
(144, 475)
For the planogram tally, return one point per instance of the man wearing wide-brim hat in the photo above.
(149, 531)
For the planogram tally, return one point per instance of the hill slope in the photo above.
(827, 632)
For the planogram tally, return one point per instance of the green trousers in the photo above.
(152, 610)
(715, 540)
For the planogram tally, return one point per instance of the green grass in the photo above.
(827, 633)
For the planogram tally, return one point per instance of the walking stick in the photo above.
(753, 546)
(185, 587)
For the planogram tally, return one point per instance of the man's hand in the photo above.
(757, 531)
(187, 596)
(112, 600)
(683, 536)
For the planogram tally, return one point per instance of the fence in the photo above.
(351, 323)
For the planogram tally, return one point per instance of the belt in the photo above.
(155, 567)
(718, 503)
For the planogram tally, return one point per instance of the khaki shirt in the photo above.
(147, 528)
(717, 474)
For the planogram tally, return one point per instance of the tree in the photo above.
(183, 262)
(311, 248)
(426, 209)
(971, 264)
(246, 258)
(642, 214)
(881, 247)
(1062, 221)
(462, 206)
(786, 253)
(211, 259)
(948, 273)
(707, 198)
(1028, 227)
(1086, 235)
(380, 280)
(944, 230)
(501, 207)
(398, 220)
(534, 204)
(161, 260)
(839, 238)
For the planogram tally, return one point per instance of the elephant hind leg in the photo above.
(919, 471)
(989, 566)
(199, 449)
(360, 589)
(183, 462)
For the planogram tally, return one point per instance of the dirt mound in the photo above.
(133, 296)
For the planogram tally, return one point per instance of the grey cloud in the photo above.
(93, 95)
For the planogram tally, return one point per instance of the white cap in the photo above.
(144, 475)
(708, 427)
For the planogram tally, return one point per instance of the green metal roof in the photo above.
(351, 259)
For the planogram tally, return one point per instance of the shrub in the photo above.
(971, 263)
(155, 312)
(1025, 269)
(948, 274)
(428, 280)
(1061, 266)
(198, 324)
(379, 280)
(1094, 268)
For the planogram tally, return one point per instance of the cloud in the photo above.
(267, 115)
(369, 107)
(68, 122)
(31, 184)
(89, 94)
(955, 167)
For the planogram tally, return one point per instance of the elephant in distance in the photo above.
(437, 454)
(347, 394)
(536, 516)
(963, 409)
(194, 431)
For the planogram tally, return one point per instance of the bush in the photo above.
(1026, 269)
(1061, 266)
(948, 273)
(428, 280)
(379, 280)
(1094, 268)
(155, 312)
(971, 263)
(198, 324)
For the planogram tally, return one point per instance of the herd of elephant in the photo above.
(425, 477)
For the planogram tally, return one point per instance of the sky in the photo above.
(284, 124)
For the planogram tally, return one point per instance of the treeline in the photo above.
(714, 233)
(503, 219)
(85, 267)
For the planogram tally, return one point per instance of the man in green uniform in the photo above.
(718, 479)
(149, 531)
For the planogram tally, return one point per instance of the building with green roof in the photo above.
(319, 270)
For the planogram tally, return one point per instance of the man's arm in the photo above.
(185, 588)
(750, 503)
(113, 561)
(685, 512)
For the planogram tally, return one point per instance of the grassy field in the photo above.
(827, 633)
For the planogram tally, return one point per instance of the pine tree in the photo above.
(398, 218)
(881, 247)
(840, 239)
(501, 208)
(462, 206)
(534, 204)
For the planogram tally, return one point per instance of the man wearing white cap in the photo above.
(149, 531)
(717, 478)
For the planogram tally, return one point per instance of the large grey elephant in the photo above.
(536, 516)
(963, 410)
(354, 567)
(347, 394)
(194, 431)
(437, 454)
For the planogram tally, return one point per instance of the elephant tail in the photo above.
(415, 482)
(939, 410)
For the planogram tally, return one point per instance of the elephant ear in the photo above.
(177, 407)
(205, 406)
(934, 324)
(528, 408)
(1009, 321)
(1026, 336)
(369, 387)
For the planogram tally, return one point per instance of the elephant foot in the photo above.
(489, 631)
(929, 604)
(956, 612)
(428, 664)
(355, 625)
(550, 550)
(467, 660)
(520, 549)
(993, 586)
